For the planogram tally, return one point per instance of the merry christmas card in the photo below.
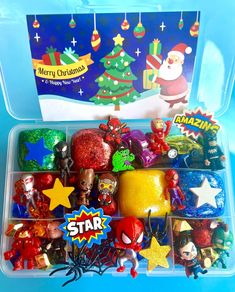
(135, 65)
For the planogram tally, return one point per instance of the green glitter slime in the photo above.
(51, 138)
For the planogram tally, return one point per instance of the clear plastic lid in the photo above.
(214, 69)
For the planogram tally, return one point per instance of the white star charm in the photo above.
(206, 194)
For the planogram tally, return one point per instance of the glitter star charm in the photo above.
(206, 194)
(58, 195)
(156, 255)
(118, 40)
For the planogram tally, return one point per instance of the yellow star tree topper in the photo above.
(118, 40)
(58, 195)
(156, 255)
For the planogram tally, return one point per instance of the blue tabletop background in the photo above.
(107, 282)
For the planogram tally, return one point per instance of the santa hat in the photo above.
(179, 50)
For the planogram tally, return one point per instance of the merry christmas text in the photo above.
(61, 72)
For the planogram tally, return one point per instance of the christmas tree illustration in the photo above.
(116, 83)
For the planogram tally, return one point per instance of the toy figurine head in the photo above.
(39, 229)
(202, 232)
(23, 233)
(53, 230)
(172, 178)
(130, 233)
(124, 155)
(186, 248)
(107, 183)
(61, 149)
(114, 124)
(157, 124)
(222, 238)
(86, 179)
(211, 138)
(27, 182)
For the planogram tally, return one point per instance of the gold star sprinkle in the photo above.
(156, 255)
(59, 195)
(118, 40)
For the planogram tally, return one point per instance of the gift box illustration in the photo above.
(153, 61)
(68, 57)
(147, 82)
(155, 47)
(52, 57)
(153, 64)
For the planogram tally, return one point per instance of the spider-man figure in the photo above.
(176, 195)
(157, 139)
(129, 238)
(25, 247)
(114, 130)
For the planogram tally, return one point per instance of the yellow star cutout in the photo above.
(156, 255)
(58, 195)
(118, 40)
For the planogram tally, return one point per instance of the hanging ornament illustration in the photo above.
(139, 30)
(194, 29)
(181, 22)
(72, 23)
(36, 23)
(95, 38)
(125, 24)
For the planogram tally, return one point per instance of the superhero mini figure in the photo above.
(202, 232)
(107, 185)
(29, 192)
(25, 247)
(122, 160)
(157, 138)
(187, 251)
(55, 245)
(222, 240)
(114, 130)
(213, 155)
(62, 158)
(176, 195)
(129, 238)
(85, 185)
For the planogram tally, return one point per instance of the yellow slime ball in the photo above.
(142, 190)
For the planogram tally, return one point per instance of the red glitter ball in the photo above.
(89, 150)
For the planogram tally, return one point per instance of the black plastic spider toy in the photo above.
(97, 259)
(159, 235)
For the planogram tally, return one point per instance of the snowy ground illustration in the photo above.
(149, 105)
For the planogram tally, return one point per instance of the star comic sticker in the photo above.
(37, 151)
(156, 255)
(58, 195)
(206, 194)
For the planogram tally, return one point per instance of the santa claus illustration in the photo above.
(174, 87)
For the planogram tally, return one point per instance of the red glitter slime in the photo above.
(89, 150)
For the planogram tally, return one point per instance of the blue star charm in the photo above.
(37, 151)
